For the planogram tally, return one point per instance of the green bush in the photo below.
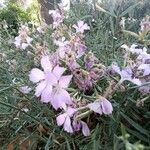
(13, 15)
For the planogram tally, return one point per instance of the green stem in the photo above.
(83, 115)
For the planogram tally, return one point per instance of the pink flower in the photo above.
(59, 96)
(57, 17)
(81, 26)
(63, 47)
(81, 49)
(144, 57)
(145, 68)
(145, 24)
(85, 129)
(133, 49)
(25, 89)
(102, 105)
(77, 125)
(51, 84)
(23, 45)
(126, 74)
(65, 119)
(44, 79)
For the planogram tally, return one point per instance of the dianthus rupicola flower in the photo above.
(25, 89)
(44, 79)
(51, 84)
(59, 96)
(57, 16)
(81, 26)
(100, 106)
(77, 125)
(125, 74)
(65, 119)
(63, 46)
(22, 42)
(133, 49)
(145, 68)
(144, 58)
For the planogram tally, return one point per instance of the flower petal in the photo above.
(24, 45)
(51, 78)
(61, 119)
(25, 89)
(135, 81)
(106, 106)
(145, 68)
(64, 81)
(40, 88)
(46, 94)
(29, 40)
(60, 97)
(67, 125)
(46, 64)
(36, 75)
(58, 71)
(95, 106)
(85, 129)
(70, 111)
(116, 68)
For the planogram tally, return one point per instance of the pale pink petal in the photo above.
(75, 26)
(81, 26)
(60, 97)
(61, 119)
(106, 106)
(80, 23)
(70, 111)
(55, 100)
(145, 68)
(76, 125)
(36, 75)
(25, 89)
(24, 45)
(29, 40)
(51, 78)
(85, 129)
(116, 68)
(95, 106)
(135, 81)
(46, 64)
(125, 46)
(67, 125)
(17, 41)
(58, 71)
(61, 52)
(86, 27)
(64, 81)
(46, 94)
(40, 87)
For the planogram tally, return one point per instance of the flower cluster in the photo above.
(137, 68)
(52, 86)
(22, 41)
(71, 69)
(145, 24)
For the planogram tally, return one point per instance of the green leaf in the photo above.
(138, 135)
(129, 9)
(68, 145)
(131, 33)
(105, 11)
(135, 125)
(48, 143)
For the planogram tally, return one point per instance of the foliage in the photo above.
(127, 128)
(13, 14)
